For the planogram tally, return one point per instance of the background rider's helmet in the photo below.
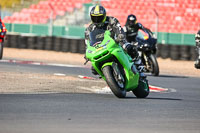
(131, 20)
(98, 15)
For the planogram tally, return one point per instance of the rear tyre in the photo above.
(154, 65)
(1, 51)
(116, 87)
(142, 91)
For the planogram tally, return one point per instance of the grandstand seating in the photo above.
(40, 13)
(176, 16)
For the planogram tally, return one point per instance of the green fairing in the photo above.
(102, 55)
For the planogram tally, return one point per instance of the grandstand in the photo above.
(40, 13)
(60, 24)
(175, 16)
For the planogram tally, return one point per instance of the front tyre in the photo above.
(142, 91)
(116, 87)
(1, 51)
(154, 65)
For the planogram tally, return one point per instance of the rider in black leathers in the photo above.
(132, 27)
(197, 39)
(2, 30)
(101, 21)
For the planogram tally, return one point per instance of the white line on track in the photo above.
(39, 63)
(59, 74)
(107, 89)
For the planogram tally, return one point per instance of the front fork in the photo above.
(144, 59)
(117, 72)
(147, 60)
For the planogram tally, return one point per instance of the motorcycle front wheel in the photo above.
(116, 86)
(154, 65)
(1, 51)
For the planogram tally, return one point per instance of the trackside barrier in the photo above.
(175, 52)
(46, 43)
(78, 31)
(44, 30)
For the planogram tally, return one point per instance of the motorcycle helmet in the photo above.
(131, 20)
(98, 15)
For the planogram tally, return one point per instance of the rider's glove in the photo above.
(120, 38)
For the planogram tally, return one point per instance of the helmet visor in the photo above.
(97, 19)
(131, 22)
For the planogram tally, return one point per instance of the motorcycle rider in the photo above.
(132, 27)
(2, 30)
(197, 39)
(101, 21)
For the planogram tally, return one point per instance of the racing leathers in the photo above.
(117, 33)
(2, 31)
(197, 40)
(132, 31)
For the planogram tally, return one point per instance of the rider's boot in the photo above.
(95, 72)
(140, 66)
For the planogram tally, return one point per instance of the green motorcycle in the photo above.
(114, 65)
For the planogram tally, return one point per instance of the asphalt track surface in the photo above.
(175, 111)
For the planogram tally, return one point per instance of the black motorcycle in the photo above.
(147, 51)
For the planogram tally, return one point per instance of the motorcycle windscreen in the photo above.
(96, 37)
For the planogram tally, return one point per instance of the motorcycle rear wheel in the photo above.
(113, 83)
(142, 91)
(154, 65)
(1, 51)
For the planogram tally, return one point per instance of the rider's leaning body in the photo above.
(132, 27)
(2, 30)
(101, 21)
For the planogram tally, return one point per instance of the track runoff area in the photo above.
(104, 90)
